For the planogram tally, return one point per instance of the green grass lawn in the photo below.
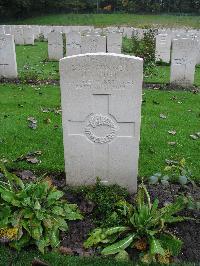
(18, 102)
(101, 20)
(32, 62)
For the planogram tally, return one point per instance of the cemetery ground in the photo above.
(100, 20)
(31, 139)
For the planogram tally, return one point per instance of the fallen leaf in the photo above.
(32, 122)
(193, 137)
(198, 134)
(172, 143)
(26, 175)
(172, 132)
(163, 116)
(47, 121)
(33, 160)
(66, 251)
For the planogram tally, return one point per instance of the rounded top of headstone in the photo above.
(102, 54)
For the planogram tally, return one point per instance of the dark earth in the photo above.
(188, 231)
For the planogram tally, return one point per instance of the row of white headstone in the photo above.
(77, 44)
(44, 30)
(183, 51)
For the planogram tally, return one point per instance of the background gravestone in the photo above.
(114, 43)
(73, 43)
(2, 29)
(8, 65)
(101, 105)
(28, 35)
(18, 35)
(55, 45)
(163, 48)
(183, 61)
(93, 44)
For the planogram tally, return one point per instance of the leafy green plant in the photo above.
(177, 171)
(37, 211)
(105, 199)
(144, 48)
(145, 229)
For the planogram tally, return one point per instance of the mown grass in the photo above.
(101, 20)
(33, 62)
(25, 258)
(18, 102)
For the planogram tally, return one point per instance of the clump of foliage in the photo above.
(175, 171)
(145, 229)
(105, 198)
(144, 48)
(33, 213)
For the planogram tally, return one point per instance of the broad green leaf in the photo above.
(71, 212)
(171, 243)
(155, 247)
(8, 196)
(58, 211)
(104, 235)
(154, 207)
(63, 226)
(122, 256)
(54, 196)
(54, 237)
(121, 245)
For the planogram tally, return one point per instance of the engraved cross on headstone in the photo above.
(101, 128)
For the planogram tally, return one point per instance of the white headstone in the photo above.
(8, 29)
(45, 30)
(55, 45)
(101, 109)
(73, 43)
(2, 29)
(114, 43)
(183, 61)
(18, 35)
(127, 32)
(93, 44)
(8, 65)
(36, 32)
(28, 35)
(163, 48)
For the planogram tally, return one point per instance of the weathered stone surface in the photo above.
(8, 29)
(8, 65)
(2, 29)
(114, 43)
(18, 35)
(93, 44)
(163, 48)
(28, 35)
(101, 106)
(73, 43)
(183, 61)
(55, 45)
